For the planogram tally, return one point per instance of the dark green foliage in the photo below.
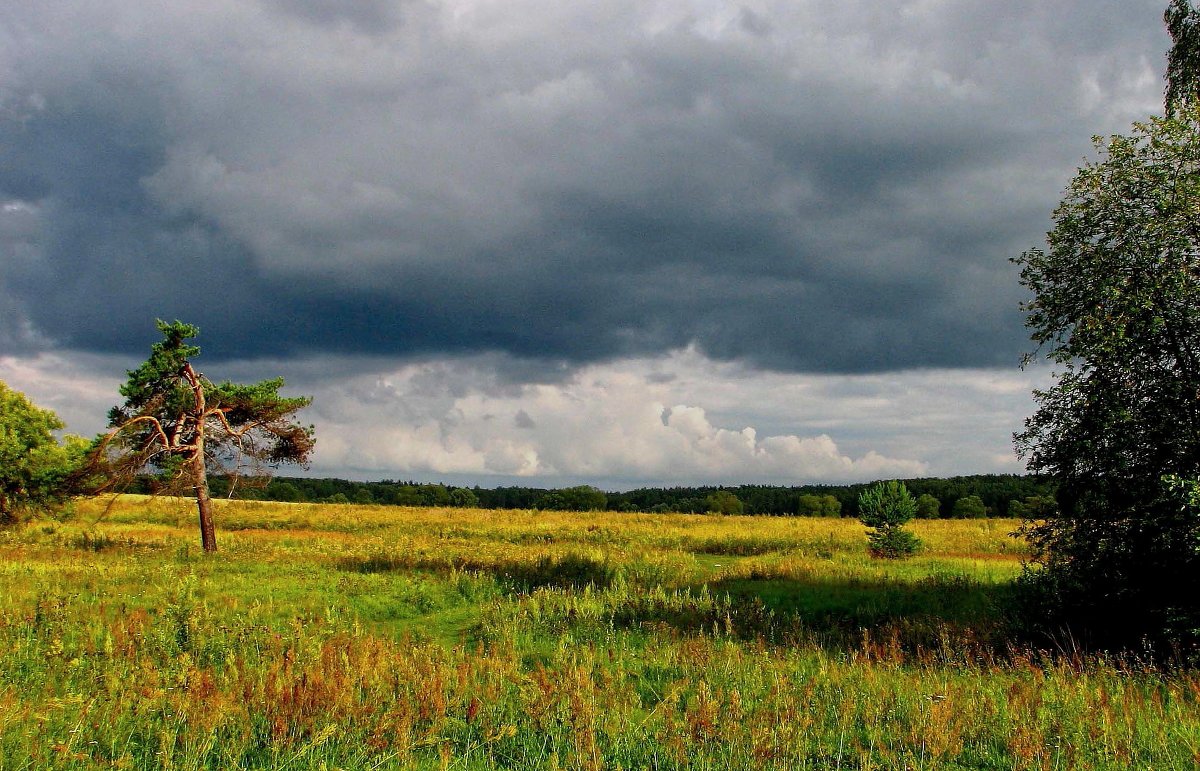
(1116, 306)
(286, 492)
(970, 507)
(156, 381)
(811, 505)
(35, 470)
(1033, 507)
(886, 504)
(581, 498)
(885, 508)
(724, 502)
(996, 491)
(463, 498)
(928, 507)
(570, 570)
(418, 495)
(892, 543)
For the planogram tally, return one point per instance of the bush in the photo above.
(724, 502)
(892, 543)
(970, 507)
(928, 507)
(885, 508)
(35, 470)
(819, 506)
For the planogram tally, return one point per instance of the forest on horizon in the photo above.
(1001, 495)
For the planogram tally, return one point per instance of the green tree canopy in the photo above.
(34, 468)
(809, 505)
(580, 498)
(181, 426)
(969, 507)
(724, 502)
(1116, 306)
(886, 504)
(928, 507)
(463, 497)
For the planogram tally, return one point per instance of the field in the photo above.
(359, 637)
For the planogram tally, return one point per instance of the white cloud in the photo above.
(675, 419)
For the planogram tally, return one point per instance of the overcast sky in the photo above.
(535, 241)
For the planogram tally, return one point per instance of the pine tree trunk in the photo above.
(208, 533)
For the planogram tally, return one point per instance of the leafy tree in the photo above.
(464, 498)
(1116, 306)
(35, 470)
(434, 495)
(1032, 507)
(287, 492)
(969, 507)
(928, 507)
(180, 426)
(580, 498)
(724, 502)
(1040, 506)
(885, 508)
(810, 505)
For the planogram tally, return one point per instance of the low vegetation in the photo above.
(343, 636)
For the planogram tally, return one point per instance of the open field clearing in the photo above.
(382, 637)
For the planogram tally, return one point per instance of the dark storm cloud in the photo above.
(804, 186)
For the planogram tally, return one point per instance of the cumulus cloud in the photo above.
(607, 422)
(678, 418)
(805, 186)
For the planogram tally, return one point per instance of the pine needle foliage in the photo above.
(180, 426)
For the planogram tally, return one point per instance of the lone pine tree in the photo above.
(179, 426)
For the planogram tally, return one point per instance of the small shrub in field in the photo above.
(885, 508)
(892, 543)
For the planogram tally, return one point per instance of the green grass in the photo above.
(353, 637)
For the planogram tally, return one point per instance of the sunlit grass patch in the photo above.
(346, 636)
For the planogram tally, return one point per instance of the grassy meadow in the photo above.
(363, 637)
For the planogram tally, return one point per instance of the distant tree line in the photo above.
(992, 495)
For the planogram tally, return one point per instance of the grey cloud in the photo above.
(803, 186)
(367, 16)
